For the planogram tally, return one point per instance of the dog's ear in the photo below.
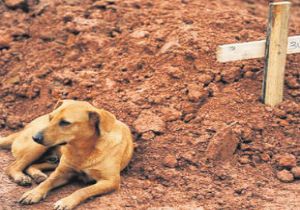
(95, 121)
(107, 120)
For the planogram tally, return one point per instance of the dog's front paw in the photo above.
(31, 197)
(39, 177)
(22, 179)
(65, 204)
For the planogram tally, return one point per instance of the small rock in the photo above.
(170, 114)
(230, 75)
(174, 72)
(13, 122)
(196, 93)
(148, 121)
(292, 82)
(265, 157)
(223, 145)
(244, 159)
(284, 123)
(285, 176)
(149, 135)
(205, 79)
(248, 74)
(13, 80)
(170, 161)
(286, 160)
(139, 34)
(15, 4)
(279, 113)
(4, 42)
(296, 172)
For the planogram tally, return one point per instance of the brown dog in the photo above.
(96, 145)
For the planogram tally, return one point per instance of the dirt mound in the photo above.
(153, 62)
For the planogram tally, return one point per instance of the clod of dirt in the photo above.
(231, 75)
(285, 176)
(139, 34)
(4, 42)
(205, 79)
(149, 135)
(223, 145)
(170, 114)
(148, 121)
(196, 93)
(170, 161)
(248, 74)
(296, 172)
(13, 122)
(292, 83)
(286, 161)
(244, 159)
(15, 4)
(174, 72)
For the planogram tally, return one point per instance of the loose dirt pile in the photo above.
(152, 63)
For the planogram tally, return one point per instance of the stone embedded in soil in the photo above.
(170, 161)
(148, 121)
(139, 34)
(248, 74)
(286, 160)
(149, 135)
(279, 113)
(205, 79)
(4, 42)
(223, 145)
(296, 172)
(13, 122)
(170, 114)
(230, 75)
(14, 4)
(285, 176)
(174, 72)
(196, 93)
(244, 159)
(292, 82)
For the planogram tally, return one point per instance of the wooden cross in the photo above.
(274, 49)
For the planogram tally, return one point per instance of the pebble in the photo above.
(139, 34)
(148, 121)
(174, 72)
(244, 159)
(13, 4)
(170, 114)
(230, 75)
(196, 93)
(296, 172)
(4, 42)
(286, 160)
(170, 161)
(285, 176)
(205, 79)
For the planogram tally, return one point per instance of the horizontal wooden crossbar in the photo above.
(250, 50)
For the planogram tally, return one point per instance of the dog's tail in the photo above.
(6, 142)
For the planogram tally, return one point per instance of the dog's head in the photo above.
(75, 121)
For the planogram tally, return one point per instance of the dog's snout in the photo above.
(38, 138)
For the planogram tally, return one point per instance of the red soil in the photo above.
(153, 63)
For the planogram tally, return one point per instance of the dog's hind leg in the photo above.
(24, 157)
(35, 171)
(6, 142)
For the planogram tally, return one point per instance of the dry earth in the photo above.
(152, 63)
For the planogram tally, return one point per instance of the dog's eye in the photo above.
(64, 123)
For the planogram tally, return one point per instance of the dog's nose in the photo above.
(38, 138)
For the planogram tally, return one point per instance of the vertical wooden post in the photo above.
(275, 54)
